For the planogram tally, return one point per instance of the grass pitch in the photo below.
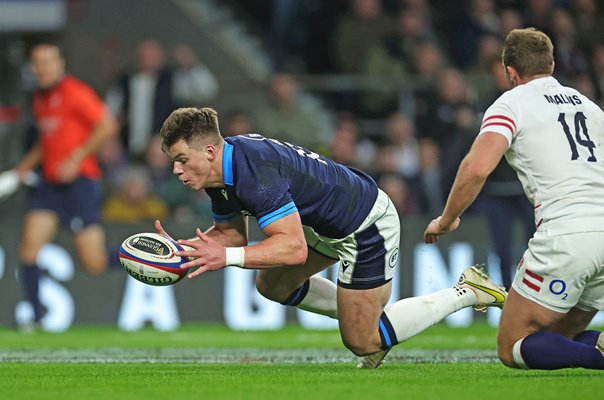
(202, 361)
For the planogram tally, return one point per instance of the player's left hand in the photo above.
(208, 254)
(436, 228)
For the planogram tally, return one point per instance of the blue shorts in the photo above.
(78, 204)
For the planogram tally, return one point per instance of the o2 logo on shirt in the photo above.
(558, 287)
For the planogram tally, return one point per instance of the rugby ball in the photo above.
(150, 258)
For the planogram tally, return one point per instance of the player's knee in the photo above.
(266, 287)
(28, 253)
(95, 266)
(360, 342)
(276, 287)
(505, 353)
(506, 358)
(359, 347)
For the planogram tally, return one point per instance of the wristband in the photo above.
(235, 256)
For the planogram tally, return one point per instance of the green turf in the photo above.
(478, 336)
(211, 362)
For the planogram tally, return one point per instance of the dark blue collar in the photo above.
(227, 164)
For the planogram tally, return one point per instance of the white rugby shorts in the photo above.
(563, 271)
(369, 256)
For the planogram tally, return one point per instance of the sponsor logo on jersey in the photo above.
(393, 258)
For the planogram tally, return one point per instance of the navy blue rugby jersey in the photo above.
(270, 179)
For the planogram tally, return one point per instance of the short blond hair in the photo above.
(529, 51)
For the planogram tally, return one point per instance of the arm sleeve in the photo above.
(500, 118)
(89, 106)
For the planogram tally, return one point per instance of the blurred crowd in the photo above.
(424, 73)
(421, 74)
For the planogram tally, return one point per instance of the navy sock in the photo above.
(30, 275)
(387, 334)
(548, 350)
(298, 295)
(588, 337)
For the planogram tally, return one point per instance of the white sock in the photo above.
(517, 354)
(413, 315)
(321, 297)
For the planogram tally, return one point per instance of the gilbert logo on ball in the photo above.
(150, 258)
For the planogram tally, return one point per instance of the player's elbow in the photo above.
(110, 126)
(297, 254)
(477, 170)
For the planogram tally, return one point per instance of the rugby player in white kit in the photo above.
(553, 136)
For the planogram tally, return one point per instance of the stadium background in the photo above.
(244, 44)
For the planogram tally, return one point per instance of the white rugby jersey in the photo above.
(556, 139)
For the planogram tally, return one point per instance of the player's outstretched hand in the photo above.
(435, 229)
(160, 230)
(208, 254)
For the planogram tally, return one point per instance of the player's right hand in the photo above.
(160, 230)
(436, 228)
(9, 183)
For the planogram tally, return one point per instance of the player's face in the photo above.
(47, 65)
(192, 166)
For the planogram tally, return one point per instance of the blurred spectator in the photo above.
(422, 9)
(479, 74)
(489, 46)
(480, 19)
(385, 160)
(390, 60)
(597, 64)
(361, 28)
(538, 14)
(569, 54)
(157, 163)
(194, 83)
(347, 146)
(428, 62)
(143, 98)
(132, 200)
(291, 26)
(449, 118)
(398, 190)
(289, 116)
(112, 160)
(509, 19)
(400, 134)
(584, 84)
(502, 200)
(589, 20)
(429, 180)
(238, 121)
